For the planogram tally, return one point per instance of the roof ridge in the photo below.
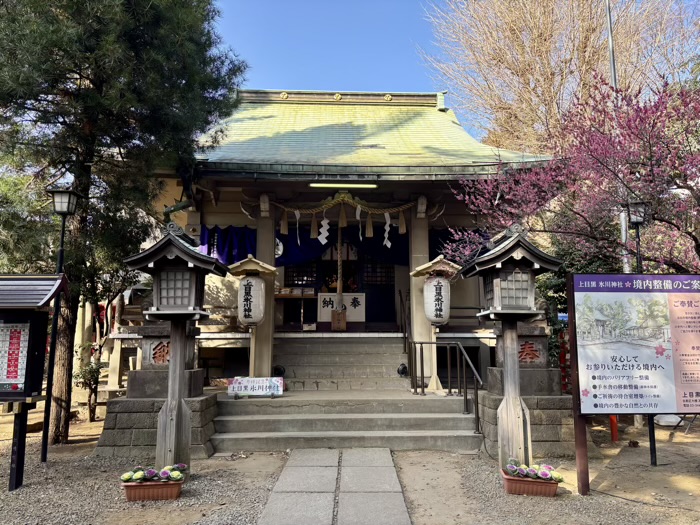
(341, 97)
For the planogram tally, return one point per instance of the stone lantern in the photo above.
(251, 297)
(178, 271)
(436, 303)
(508, 271)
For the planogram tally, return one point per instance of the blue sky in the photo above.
(352, 45)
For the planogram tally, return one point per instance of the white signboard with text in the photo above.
(638, 343)
(256, 386)
(353, 304)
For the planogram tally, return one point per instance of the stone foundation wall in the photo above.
(131, 424)
(551, 424)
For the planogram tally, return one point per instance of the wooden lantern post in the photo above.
(508, 271)
(178, 271)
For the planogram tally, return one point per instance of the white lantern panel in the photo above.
(175, 288)
(436, 299)
(251, 301)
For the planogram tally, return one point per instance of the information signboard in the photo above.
(14, 347)
(256, 386)
(638, 343)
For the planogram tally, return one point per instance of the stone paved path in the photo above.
(356, 486)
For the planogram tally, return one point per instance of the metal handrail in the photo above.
(461, 371)
(405, 322)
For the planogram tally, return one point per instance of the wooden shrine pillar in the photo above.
(262, 336)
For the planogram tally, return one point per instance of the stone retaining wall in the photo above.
(551, 424)
(131, 424)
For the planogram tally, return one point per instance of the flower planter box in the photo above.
(152, 490)
(528, 486)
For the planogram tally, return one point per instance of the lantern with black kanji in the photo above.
(251, 300)
(252, 289)
(436, 289)
(436, 299)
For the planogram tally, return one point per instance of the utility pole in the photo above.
(626, 259)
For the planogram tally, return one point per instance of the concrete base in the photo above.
(153, 384)
(551, 425)
(130, 427)
(533, 381)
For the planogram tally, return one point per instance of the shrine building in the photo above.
(344, 194)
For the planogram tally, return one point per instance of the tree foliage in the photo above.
(517, 66)
(103, 92)
(619, 148)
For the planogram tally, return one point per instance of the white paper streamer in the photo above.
(297, 214)
(358, 216)
(323, 230)
(387, 227)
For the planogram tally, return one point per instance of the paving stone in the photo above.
(295, 508)
(313, 457)
(369, 479)
(372, 509)
(367, 457)
(307, 479)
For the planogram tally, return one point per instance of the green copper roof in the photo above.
(351, 130)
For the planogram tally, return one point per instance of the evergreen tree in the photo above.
(104, 92)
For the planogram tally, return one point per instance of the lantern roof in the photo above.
(30, 291)
(170, 246)
(250, 266)
(517, 248)
(437, 266)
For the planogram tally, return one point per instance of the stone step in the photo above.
(352, 383)
(339, 371)
(343, 422)
(342, 403)
(338, 358)
(337, 346)
(463, 441)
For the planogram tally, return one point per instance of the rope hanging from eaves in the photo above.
(343, 199)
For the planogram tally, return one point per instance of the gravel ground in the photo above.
(79, 488)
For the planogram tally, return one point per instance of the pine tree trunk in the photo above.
(59, 423)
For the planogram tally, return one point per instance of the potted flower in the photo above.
(144, 484)
(535, 480)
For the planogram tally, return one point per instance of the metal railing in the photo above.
(416, 360)
(405, 324)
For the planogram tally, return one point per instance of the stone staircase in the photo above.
(355, 363)
(343, 393)
(371, 418)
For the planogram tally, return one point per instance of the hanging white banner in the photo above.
(387, 227)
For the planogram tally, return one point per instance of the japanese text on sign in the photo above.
(14, 344)
(638, 343)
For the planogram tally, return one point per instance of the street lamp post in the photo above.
(637, 217)
(65, 201)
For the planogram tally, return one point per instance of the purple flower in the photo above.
(531, 473)
(151, 473)
(512, 469)
(181, 466)
(522, 471)
(164, 475)
(547, 467)
(544, 474)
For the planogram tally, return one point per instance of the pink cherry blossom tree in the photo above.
(615, 148)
